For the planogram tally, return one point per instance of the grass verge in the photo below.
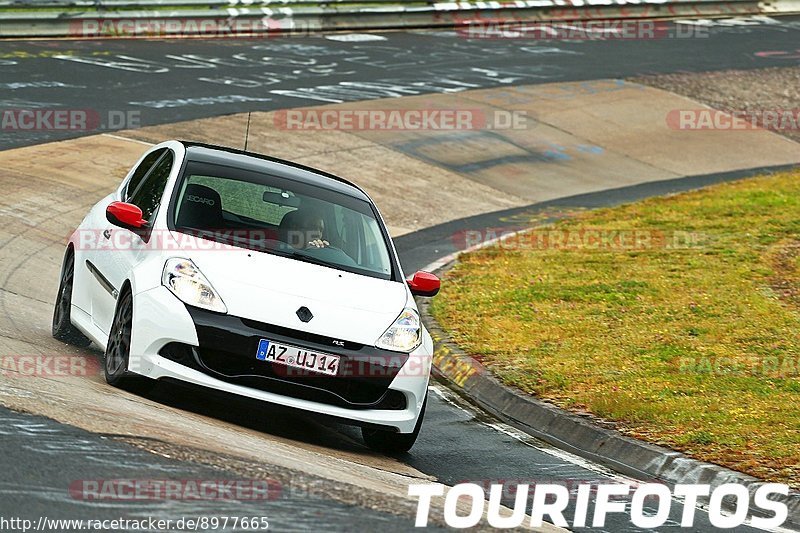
(678, 318)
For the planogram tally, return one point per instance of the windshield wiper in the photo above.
(313, 260)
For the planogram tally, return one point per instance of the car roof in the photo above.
(221, 155)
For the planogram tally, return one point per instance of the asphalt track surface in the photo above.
(42, 457)
(171, 81)
(160, 82)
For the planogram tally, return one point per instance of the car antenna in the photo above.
(247, 131)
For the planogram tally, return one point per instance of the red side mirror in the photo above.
(125, 215)
(424, 284)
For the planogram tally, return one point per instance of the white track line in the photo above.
(121, 138)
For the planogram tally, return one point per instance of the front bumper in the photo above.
(374, 387)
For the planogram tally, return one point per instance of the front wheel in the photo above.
(62, 327)
(118, 348)
(390, 442)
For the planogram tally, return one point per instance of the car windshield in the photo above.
(281, 216)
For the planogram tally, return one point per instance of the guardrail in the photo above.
(159, 18)
(158, 4)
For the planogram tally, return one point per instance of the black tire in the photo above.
(62, 328)
(118, 347)
(390, 442)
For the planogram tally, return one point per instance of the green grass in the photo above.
(691, 340)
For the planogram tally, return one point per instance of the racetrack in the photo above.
(170, 81)
(48, 188)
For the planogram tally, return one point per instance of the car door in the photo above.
(122, 248)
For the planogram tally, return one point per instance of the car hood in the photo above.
(270, 288)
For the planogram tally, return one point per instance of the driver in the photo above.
(304, 230)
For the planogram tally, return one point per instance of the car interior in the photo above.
(213, 208)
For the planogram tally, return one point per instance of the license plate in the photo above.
(294, 357)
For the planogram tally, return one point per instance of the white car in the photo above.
(255, 276)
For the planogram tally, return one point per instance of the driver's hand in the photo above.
(318, 243)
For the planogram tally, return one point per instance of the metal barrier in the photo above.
(172, 18)
(157, 4)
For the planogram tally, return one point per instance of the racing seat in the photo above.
(201, 208)
(290, 222)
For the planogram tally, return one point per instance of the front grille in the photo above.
(301, 335)
(341, 391)
(228, 346)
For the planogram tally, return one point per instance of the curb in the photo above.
(578, 434)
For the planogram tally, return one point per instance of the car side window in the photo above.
(141, 172)
(148, 195)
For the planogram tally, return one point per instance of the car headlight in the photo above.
(404, 335)
(184, 279)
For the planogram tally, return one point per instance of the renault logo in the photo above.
(304, 314)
